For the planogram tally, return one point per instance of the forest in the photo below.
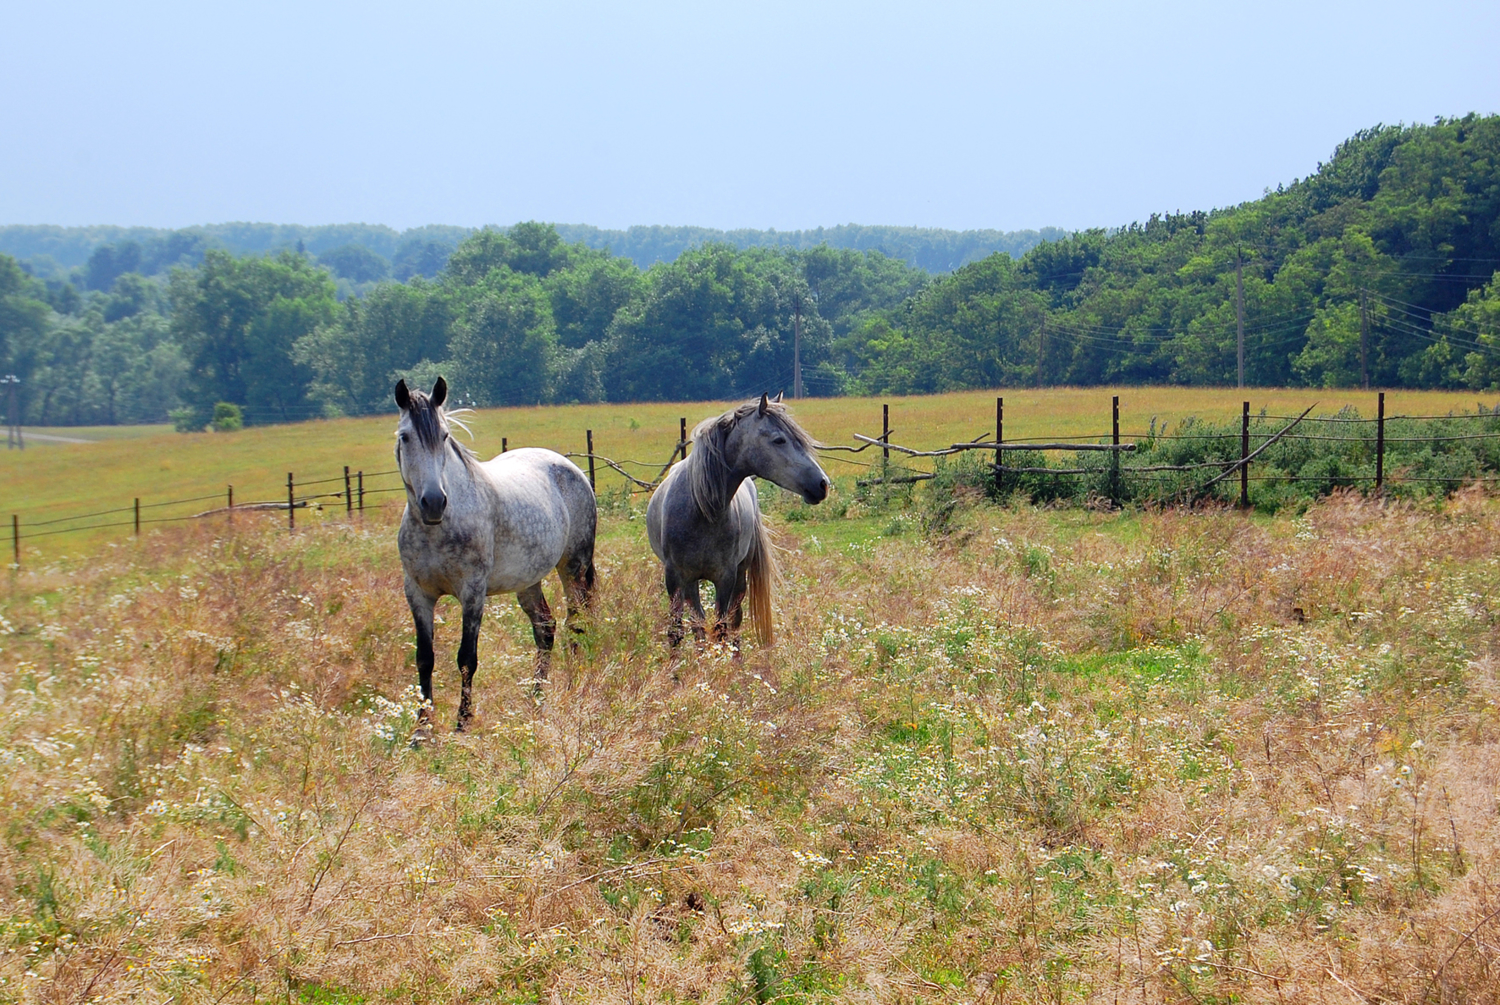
(1378, 269)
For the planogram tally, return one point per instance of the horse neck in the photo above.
(719, 481)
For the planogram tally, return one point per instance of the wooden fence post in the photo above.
(504, 444)
(361, 482)
(1244, 456)
(15, 537)
(291, 503)
(999, 428)
(137, 517)
(885, 432)
(1114, 455)
(1380, 444)
(230, 515)
(348, 497)
(682, 444)
(590, 434)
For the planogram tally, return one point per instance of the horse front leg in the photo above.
(422, 604)
(674, 613)
(695, 601)
(468, 654)
(729, 596)
(543, 628)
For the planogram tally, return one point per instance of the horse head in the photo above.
(423, 448)
(765, 441)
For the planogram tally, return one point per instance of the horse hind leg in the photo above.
(543, 626)
(577, 575)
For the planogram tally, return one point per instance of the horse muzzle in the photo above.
(432, 506)
(816, 495)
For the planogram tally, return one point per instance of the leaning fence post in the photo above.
(1245, 456)
(1380, 443)
(361, 483)
(348, 498)
(291, 503)
(590, 434)
(137, 517)
(15, 537)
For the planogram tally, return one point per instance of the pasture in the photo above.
(998, 754)
(62, 479)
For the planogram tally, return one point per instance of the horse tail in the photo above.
(761, 576)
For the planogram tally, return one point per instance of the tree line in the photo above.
(1378, 268)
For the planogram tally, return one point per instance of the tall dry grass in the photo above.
(1040, 756)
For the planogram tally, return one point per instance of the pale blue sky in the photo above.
(786, 115)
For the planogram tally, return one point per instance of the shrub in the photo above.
(227, 418)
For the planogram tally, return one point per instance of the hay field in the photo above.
(66, 479)
(999, 755)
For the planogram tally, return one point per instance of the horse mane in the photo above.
(429, 422)
(707, 467)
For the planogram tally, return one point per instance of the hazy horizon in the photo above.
(957, 116)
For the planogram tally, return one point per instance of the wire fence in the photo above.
(1186, 464)
(1304, 453)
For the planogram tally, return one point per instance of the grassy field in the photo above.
(71, 479)
(1000, 754)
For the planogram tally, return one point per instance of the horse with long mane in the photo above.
(704, 523)
(475, 528)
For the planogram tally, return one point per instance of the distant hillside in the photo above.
(53, 250)
(923, 247)
(71, 246)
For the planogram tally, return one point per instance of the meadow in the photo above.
(53, 480)
(999, 754)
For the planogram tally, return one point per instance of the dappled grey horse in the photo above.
(704, 522)
(475, 528)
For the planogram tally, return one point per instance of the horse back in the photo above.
(542, 512)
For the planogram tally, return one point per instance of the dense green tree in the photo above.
(355, 263)
(420, 258)
(356, 358)
(503, 351)
(716, 323)
(237, 320)
(586, 297)
(24, 322)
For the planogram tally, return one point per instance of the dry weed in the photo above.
(1050, 756)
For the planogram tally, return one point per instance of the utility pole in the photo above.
(797, 346)
(1239, 311)
(1364, 343)
(1041, 351)
(13, 438)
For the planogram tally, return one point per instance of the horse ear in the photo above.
(403, 396)
(764, 403)
(777, 399)
(439, 393)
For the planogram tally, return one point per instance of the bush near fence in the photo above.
(1425, 456)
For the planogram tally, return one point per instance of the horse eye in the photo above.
(780, 441)
(403, 438)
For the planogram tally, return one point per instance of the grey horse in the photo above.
(475, 528)
(704, 522)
